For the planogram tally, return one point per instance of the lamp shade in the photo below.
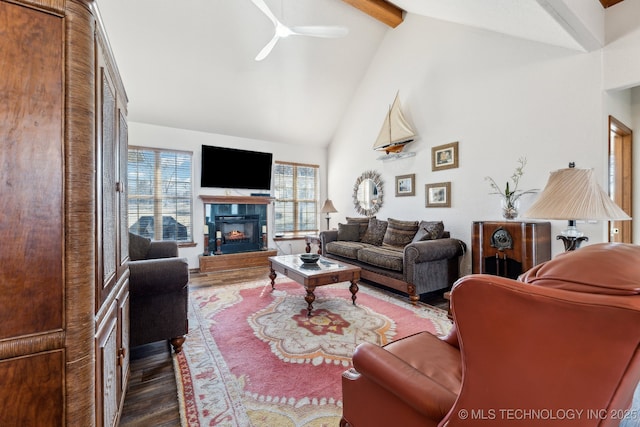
(328, 207)
(574, 194)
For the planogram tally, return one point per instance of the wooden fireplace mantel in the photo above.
(240, 200)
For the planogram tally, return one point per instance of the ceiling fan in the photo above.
(282, 31)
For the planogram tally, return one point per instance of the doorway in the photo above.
(620, 178)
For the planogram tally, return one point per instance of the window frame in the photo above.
(297, 202)
(158, 201)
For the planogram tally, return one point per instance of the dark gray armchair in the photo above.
(159, 292)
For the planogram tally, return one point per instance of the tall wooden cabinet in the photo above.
(112, 237)
(63, 259)
(509, 248)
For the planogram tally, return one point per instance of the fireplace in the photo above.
(238, 233)
(238, 222)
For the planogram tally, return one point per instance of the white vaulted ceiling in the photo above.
(190, 64)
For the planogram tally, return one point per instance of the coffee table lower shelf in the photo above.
(324, 272)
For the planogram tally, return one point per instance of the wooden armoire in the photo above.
(63, 231)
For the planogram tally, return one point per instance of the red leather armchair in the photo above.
(558, 347)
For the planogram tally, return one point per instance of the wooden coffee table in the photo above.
(324, 272)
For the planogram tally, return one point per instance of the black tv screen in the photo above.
(233, 168)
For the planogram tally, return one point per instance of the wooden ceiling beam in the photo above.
(382, 10)
(608, 3)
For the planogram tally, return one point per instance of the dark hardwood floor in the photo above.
(152, 396)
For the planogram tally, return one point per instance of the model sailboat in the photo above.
(395, 133)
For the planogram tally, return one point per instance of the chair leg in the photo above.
(177, 343)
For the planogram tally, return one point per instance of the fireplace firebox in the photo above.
(238, 233)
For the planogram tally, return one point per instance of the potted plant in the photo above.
(510, 196)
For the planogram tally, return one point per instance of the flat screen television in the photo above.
(233, 168)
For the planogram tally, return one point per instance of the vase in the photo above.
(509, 209)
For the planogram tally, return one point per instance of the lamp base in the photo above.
(571, 243)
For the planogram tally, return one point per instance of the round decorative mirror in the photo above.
(367, 193)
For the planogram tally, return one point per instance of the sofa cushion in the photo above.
(375, 232)
(399, 233)
(349, 232)
(138, 247)
(344, 248)
(388, 257)
(429, 230)
(363, 223)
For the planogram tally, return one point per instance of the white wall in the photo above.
(146, 135)
(622, 51)
(635, 124)
(621, 65)
(500, 97)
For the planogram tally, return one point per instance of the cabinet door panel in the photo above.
(123, 337)
(31, 183)
(109, 201)
(106, 369)
(123, 143)
(31, 390)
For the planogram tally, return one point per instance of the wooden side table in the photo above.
(313, 239)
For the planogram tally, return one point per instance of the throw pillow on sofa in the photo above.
(429, 230)
(375, 232)
(349, 232)
(138, 246)
(363, 223)
(399, 233)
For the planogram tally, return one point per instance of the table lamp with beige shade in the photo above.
(574, 194)
(328, 208)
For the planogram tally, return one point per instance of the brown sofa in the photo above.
(159, 292)
(413, 257)
(558, 347)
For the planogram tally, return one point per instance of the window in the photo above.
(160, 202)
(296, 194)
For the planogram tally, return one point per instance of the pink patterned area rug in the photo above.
(254, 358)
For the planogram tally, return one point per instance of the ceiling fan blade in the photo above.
(320, 31)
(267, 49)
(265, 9)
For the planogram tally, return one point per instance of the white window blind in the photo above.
(160, 194)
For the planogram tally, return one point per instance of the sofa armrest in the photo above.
(433, 250)
(162, 249)
(158, 276)
(403, 380)
(327, 236)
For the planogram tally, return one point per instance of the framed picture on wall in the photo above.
(444, 156)
(438, 195)
(405, 185)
